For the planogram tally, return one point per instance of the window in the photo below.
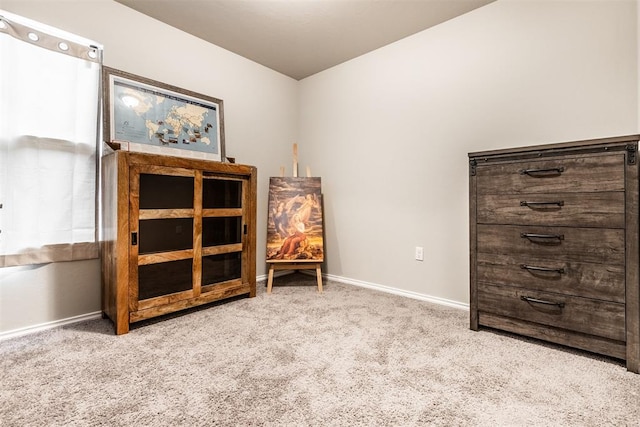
(49, 128)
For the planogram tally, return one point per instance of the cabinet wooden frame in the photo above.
(121, 216)
(627, 349)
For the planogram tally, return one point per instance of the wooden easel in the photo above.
(294, 265)
(288, 265)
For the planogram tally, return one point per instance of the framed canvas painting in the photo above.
(295, 226)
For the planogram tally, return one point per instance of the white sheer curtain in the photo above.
(49, 97)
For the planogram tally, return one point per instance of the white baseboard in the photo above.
(277, 273)
(388, 289)
(90, 316)
(395, 291)
(49, 325)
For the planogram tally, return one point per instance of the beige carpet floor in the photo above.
(348, 357)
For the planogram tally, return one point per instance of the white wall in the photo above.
(38, 294)
(389, 132)
(261, 115)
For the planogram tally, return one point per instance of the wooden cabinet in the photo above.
(554, 244)
(176, 233)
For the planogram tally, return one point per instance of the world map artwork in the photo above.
(147, 116)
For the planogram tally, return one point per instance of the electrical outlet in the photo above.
(419, 253)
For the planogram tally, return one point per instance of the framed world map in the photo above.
(149, 116)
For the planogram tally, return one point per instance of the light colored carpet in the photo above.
(348, 357)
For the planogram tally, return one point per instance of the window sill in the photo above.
(52, 253)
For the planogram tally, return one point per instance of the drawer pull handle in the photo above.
(542, 172)
(541, 236)
(541, 301)
(533, 268)
(558, 203)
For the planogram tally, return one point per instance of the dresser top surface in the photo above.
(558, 148)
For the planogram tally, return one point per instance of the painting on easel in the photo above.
(295, 224)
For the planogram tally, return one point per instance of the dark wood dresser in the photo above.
(554, 244)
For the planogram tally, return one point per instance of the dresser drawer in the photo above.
(605, 209)
(561, 174)
(597, 281)
(585, 315)
(594, 245)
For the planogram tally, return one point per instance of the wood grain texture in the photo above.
(233, 283)
(473, 247)
(555, 335)
(115, 233)
(558, 224)
(222, 212)
(223, 292)
(197, 234)
(597, 245)
(586, 315)
(251, 222)
(582, 174)
(598, 146)
(632, 266)
(208, 167)
(122, 248)
(160, 257)
(165, 213)
(222, 249)
(604, 209)
(591, 280)
(160, 169)
(164, 300)
(133, 183)
(121, 257)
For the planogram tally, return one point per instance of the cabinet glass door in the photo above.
(223, 231)
(162, 235)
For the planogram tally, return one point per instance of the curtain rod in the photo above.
(43, 38)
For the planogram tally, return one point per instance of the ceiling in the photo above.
(302, 37)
